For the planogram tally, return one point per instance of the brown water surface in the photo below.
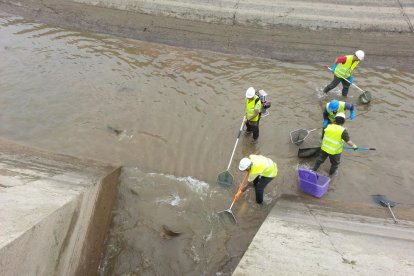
(171, 117)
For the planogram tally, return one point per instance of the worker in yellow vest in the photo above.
(253, 108)
(342, 70)
(261, 170)
(332, 143)
(334, 107)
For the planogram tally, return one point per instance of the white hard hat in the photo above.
(250, 92)
(340, 114)
(360, 54)
(244, 164)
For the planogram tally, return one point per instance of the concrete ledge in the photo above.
(302, 239)
(388, 15)
(56, 211)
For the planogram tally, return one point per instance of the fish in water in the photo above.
(114, 130)
(169, 234)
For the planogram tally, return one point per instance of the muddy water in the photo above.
(171, 117)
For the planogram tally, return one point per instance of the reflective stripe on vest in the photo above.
(263, 166)
(250, 107)
(332, 140)
(345, 70)
(331, 115)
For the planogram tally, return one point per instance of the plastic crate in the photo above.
(313, 183)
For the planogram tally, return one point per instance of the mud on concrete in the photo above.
(285, 43)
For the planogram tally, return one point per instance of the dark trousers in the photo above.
(335, 82)
(334, 158)
(253, 127)
(260, 184)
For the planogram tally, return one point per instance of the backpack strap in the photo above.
(255, 102)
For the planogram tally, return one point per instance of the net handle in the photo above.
(237, 141)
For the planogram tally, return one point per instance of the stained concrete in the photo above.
(304, 239)
(55, 211)
(314, 34)
(387, 15)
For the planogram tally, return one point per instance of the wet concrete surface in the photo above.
(171, 115)
(52, 203)
(298, 238)
(281, 42)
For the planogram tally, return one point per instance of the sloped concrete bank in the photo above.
(293, 31)
(55, 211)
(301, 238)
(388, 15)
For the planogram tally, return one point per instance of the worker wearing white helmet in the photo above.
(332, 143)
(253, 108)
(260, 171)
(342, 70)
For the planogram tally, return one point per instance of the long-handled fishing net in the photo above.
(365, 97)
(235, 198)
(299, 135)
(226, 178)
(308, 152)
(383, 201)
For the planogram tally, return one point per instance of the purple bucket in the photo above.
(313, 183)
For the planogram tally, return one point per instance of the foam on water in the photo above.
(196, 185)
(173, 200)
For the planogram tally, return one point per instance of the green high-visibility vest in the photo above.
(251, 105)
(345, 70)
(331, 115)
(332, 142)
(263, 166)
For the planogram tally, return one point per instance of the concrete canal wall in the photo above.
(303, 238)
(55, 211)
(282, 30)
(387, 15)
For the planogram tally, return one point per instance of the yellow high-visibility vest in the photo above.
(251, 105)
(331, 115)
(332, 142)
(345, 70)
(263, 166)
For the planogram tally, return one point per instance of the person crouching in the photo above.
(261, 170)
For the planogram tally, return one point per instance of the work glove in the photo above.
(350, 79)
(352, 115)
(333, 67)
(325, 123)
(355, 147)
(238, 195)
